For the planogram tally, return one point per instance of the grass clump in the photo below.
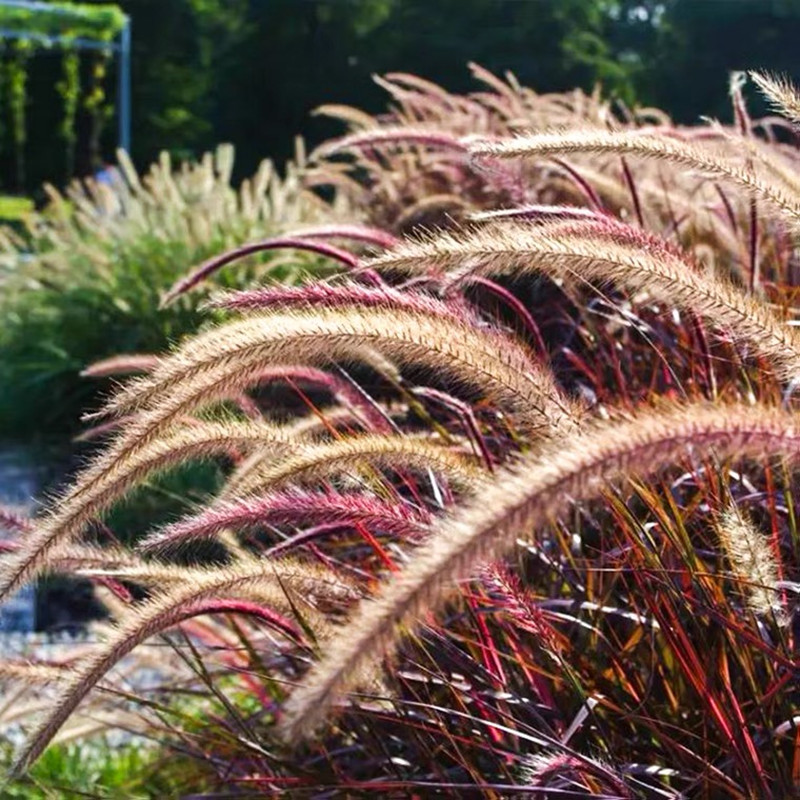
(485, 489)
(106, 770)
(84, 278)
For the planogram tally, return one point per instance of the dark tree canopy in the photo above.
(251, 71)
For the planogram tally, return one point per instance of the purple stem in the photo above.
(583, 184)
(356, 233)
(285, 242)
(637, 206)
(272, 618)
(465, 413)
(517, 307)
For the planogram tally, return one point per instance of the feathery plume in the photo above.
(216, 263)
(229, 357)
(12, 520)
(355, 233)
(751, 559)
(76, 557)
(121, 365)
(353, 116)
(283, 585)
(384, 452)
(779, 90)
(323, 295)
(293, 507)
(102, 485)
(557, 772)
(307, 429)
(524, 499)
(399, 136)
(520, 249)
(645, 145)
(34, 673)
(536, 212)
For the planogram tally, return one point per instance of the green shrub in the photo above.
(132, 770)
(85, 278)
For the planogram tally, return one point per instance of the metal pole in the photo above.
(125, 87)
(39, 5)
(43, 38)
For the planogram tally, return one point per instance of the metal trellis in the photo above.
(121, 48)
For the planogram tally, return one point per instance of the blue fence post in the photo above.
(125, 87)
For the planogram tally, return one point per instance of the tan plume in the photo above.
(283, 585)
(509, 249)
(517, 502)
(645, 145)
(779, 90)
(102, 484)
(751, 558)
(385, 452)
(228, 356)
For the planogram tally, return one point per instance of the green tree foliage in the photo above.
(16, 84)
(69, 90)
(180, 52)
(309, 53)
(251, 71)
(699, 42)
(95, 21)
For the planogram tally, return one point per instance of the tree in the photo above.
(700, 42)
(251, 71)
(303, 54)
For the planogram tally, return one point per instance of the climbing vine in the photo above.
(71, 20)
(69, 89)
(95, 104)
(17, 91)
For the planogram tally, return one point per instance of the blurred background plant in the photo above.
(112, 770)
(82, 278)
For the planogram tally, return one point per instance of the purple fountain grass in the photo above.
(465, 413)
(517, 306)
(122, 365)
(284, 584)
(537, 212)
(519, 499)
(334, 296)
(577, 661)
(782, 198)
(400, 136)
(198, 441)
(356, 233)
(13, 521)
(349, 394)
(293, 507)
(780, 92)
(517, 603)
(216, 263)
(279, 622)
(564, 773)
(592, 224)
(101, 429)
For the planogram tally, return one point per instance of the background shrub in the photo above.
(84, 280)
